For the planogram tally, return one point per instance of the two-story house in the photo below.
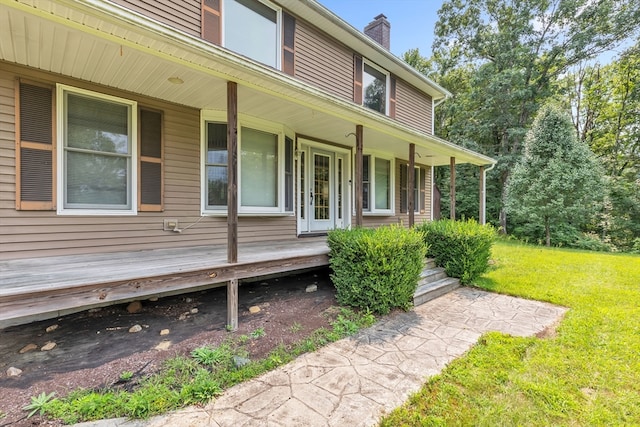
(133, 129)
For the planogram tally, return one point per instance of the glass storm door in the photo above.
(321, 196)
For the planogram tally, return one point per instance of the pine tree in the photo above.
(557, 183)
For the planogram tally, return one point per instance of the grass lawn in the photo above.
(587, 374)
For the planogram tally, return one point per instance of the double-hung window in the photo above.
(377, 188)
(374, 84)
(98, 135)
(265, 165)
(252, 28)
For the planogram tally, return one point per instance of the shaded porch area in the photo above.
(40, 288)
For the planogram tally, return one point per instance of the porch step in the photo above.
(433, 282)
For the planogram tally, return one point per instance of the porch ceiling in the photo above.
(104, 44)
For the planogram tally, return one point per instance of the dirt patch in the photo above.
(94, 347)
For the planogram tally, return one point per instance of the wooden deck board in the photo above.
(45, 287)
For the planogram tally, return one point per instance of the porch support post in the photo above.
(483, 197)
(411, 202)
(232, 304)
(358, 177)
(232, 172)
(452, 188)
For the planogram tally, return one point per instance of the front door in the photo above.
(321, 192)
(323, 197)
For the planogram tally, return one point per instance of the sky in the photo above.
(412, 21)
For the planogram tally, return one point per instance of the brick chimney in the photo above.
(379, 30)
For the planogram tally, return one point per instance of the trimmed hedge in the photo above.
(376, 269)
(463, 248)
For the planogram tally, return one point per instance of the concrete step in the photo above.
(430, 275)
(433, 290)
(429, 263)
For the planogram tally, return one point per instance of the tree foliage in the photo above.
(502, 60)
(557, 183)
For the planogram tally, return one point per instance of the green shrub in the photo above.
(463, 248)
(376, 269)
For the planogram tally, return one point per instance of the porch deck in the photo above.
(40, 288)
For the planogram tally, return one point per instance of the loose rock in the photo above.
(188, 300)
(153, 299)
(134, 307)
(28, 347)
(48, 346)
(164, 332)
(52, 328)
(312, 288)
(254, 309)
(194, 311)
(164, 345)
(13, 372)
(183, 316)
(135, 328)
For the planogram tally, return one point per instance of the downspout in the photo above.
(483, 220)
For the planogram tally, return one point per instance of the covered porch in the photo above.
(40, 288)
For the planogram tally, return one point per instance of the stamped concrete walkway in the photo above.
(355, 381)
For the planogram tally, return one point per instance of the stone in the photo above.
(254, 309)
(135, 328)
(183, 316)
(13, 372)
(164, 332)
(52, 328)
(188, 300)
(194, 311)
(153, 299)
(134, 307)
(239, 361)
(27, 348)
(164, 345)
(48, 346)
(312, 288)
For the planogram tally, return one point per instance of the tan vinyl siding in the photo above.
(25, 234)
(323, 62)
(413, 108)
(183, 15)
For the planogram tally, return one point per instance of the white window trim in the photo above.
(387, 84)
(253, 123)
(278, 10)
(373, 211)
(60, 134)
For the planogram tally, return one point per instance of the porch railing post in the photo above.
(452, 188)
(358, 177)
(411, 202)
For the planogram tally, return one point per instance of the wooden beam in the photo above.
(232, 305)
(232, 172)
(411, 202)
(358, 177)
(452, 188)
(483, 197)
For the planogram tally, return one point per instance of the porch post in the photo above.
(358, 177)
(483, 198)
(232, 201)
(232, 172)
(452, 188)
(411, 183)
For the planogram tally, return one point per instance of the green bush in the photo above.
(376, 269)
(463, 248)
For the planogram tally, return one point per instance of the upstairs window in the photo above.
(374, 84)
(251, 28)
